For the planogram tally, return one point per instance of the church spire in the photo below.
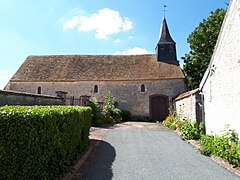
(166, 47)
(164, 35)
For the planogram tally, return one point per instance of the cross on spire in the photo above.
(164, 9)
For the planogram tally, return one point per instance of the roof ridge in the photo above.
(55, 55)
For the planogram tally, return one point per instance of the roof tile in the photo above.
(95, 67)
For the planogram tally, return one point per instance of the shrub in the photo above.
(220, 145)
(233, 154)
(172, 121)
(117, 115)
(109, 103)
(168, 121)
(206, 144)
(225, 146)
(190, 131)
(41, 142)
(180, 124)
(96, 112)
(110, 113)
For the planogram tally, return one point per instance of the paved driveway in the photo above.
(134, 151)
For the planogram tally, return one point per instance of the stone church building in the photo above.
(143, 84)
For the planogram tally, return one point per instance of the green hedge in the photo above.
(41, 142)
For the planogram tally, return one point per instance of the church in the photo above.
(145, 85)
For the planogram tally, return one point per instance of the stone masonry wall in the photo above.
(186, 107)
(128, 93)
(222, 87)
(17, 98)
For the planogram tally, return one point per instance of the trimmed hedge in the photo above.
(41, 142)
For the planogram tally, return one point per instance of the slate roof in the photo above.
(70, 68)
(164, 35)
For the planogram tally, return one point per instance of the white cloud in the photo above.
(132, 51)
(130, 37)
(127, 24)
(70, 24)
(117, 41)
(105, 22)
(4, 78)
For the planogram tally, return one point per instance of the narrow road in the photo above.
(147, 151)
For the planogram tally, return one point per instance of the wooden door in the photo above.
(159, 108)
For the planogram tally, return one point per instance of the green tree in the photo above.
(202, 42)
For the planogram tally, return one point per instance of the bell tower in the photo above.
(166, 47)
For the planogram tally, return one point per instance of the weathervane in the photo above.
(164, 9)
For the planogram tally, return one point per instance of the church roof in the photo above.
(164, 35)
(95, 68)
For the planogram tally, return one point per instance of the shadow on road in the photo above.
(99, 164)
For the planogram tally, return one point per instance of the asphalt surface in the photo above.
(147, 151)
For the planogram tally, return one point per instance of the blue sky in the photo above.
(92, 27)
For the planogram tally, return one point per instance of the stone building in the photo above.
(187, 104)
(143, 84)
(221, 82)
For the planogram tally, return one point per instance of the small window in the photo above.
(162, 48)
(39, 90)
(142, 88)
(95, 89)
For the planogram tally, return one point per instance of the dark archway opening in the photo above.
(159, 107)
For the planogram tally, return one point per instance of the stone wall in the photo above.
(128, 93)
(221, 84)
(18, 98)
(186, 105)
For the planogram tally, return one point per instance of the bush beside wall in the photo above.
(225, 146)
(189, 130)
(108, 113)
(41, 142)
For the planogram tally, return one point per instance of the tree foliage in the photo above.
(202, 42)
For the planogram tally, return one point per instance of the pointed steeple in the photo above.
(166, 47)
(164, 35)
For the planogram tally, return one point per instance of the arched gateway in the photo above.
(159, 107)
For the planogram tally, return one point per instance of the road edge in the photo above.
(96, 133)
(78, 165)
(224, 163)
